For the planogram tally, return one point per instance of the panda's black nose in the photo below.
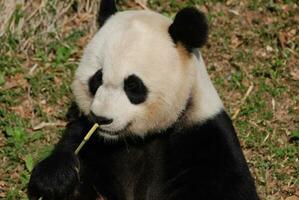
(100, 119)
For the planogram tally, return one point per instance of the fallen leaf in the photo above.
(235, 42)
(248, 17)
(24, 110)
(285, 8)
(49, 124)
(81, 18)
(282, 37)
(234, 12)
(2, 143)
(83, 40)
(9, 85)
(2, 194)
(297, 110)
(15, 175)
(2, 184)
(295, 74)
(292, 198)
(269, 48)
(3, 188)
(57, 81)
(17, 80)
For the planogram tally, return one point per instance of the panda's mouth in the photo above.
(114, 134)
(108, 134)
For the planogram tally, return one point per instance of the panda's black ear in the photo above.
(189, 27)
(107, 8)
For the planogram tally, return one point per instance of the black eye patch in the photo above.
(95, 82)
(135, 89)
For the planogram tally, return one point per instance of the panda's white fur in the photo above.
(137, 42)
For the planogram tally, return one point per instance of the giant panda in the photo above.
(164, 133)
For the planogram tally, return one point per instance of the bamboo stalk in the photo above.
(86, 138)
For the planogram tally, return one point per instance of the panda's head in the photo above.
(138, 73)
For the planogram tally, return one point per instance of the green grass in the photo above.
(253, 43)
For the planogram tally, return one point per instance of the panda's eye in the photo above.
(135, 89)
(95, 82)
(132, 85)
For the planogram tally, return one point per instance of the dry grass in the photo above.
(252, 56)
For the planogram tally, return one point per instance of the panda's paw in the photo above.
(56, 177)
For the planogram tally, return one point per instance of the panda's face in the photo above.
(132, 78)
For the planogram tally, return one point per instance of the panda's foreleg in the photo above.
(57, 176)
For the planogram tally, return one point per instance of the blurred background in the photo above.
(252, 56)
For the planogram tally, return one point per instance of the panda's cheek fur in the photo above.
(163, 109)
(153, 115)
(82, 95)
(157, 115)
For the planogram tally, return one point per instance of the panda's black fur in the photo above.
(199, 162)
(190, 28)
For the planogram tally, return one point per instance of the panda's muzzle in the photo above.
(100, 119)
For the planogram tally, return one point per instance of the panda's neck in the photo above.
(205, 101)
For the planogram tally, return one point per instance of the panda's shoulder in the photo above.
(219, 123)
(213, 135)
